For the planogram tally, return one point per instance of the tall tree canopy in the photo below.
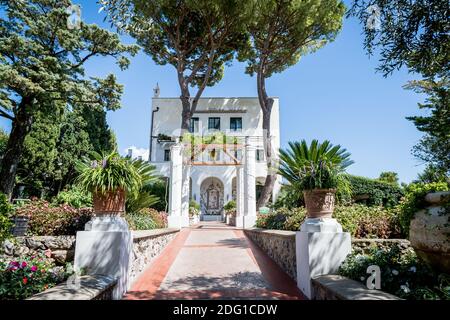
(197, 37)
(389, 177)
(411, 33)
(281, 32)
(3, 142)
(41, 65)
(415, 34)
(434, 147)
(55, 142)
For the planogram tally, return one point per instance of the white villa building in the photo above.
(212, 185)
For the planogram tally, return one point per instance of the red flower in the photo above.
(25, 280)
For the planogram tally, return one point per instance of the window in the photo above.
(235, 124)
(167, 155)
(194, 125)
(260, 155)
(214, 123)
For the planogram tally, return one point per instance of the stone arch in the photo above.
(211, 196)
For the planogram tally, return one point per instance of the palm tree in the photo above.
(317, 166)
(144, 198)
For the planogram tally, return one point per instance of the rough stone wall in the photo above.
(279, 245)
(146, 246)
(60, 248)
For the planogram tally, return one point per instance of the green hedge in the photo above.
(374, 192)
(361, 221)
(415, 201)
(74, 197)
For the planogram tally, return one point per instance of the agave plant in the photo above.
(102, 173)
(317, 166)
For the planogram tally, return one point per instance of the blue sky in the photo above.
(332, 94)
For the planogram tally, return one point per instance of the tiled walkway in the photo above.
(213, 261)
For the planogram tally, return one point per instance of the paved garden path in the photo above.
(213, 261)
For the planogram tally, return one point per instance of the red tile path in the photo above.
(213, 261)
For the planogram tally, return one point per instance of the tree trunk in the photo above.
(186, 115)
(185, 98)
(266, 107)
(21, 126)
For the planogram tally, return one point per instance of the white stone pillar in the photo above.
(321, 247)
(106, 247)
(185, 192)
(250, 185)
(175, 219)
(239, 197)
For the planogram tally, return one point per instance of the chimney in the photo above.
(130, 153)
(156, 91)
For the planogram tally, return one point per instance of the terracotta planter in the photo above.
(429, 232)
(319, 202)
(109, 203)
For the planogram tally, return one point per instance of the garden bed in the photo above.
(402, 273)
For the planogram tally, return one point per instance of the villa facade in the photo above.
(211, 184)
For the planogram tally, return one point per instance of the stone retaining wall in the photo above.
(334, 287)
(89, 287)
(280, 246)
(60, 248)
(148, 244)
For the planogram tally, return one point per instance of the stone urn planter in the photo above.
(429, 232)
(109, 203)
(319, 202)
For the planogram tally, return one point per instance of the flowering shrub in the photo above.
(147, 219)
(361, 221)
(402, 274)
(369, 222)
(140, 221)
(49, 220)
(20, 279)
(282, 219)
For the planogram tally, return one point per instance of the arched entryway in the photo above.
(211, 197)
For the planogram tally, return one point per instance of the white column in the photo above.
(185, 191)
(175, 219)
(321, 247)
(239, 197)
(250, 185)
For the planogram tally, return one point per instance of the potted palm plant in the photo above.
(110, 178)
(316, 170)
